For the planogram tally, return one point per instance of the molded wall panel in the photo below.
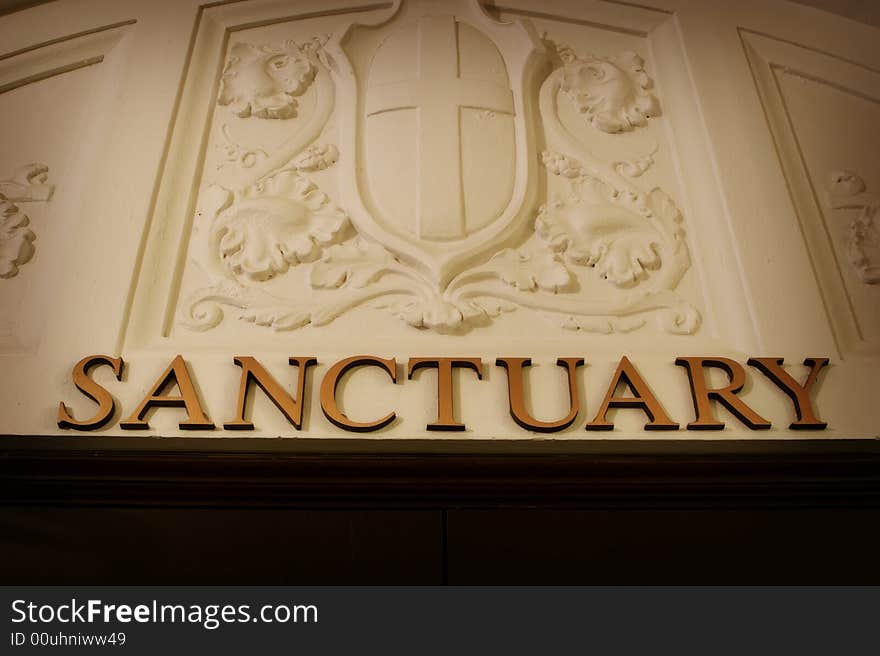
(410, 179)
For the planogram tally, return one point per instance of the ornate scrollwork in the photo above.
(235, 153)
(601, 258)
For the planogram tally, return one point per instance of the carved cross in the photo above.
(439, 94)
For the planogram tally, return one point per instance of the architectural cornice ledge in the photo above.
(663, 474)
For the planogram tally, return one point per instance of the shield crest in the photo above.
(436, 134)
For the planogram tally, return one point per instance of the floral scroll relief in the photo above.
(612, 93)
(603, 258)
(264, 81)
(847, 190)
(29, 184)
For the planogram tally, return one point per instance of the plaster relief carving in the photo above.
(847, 190)
(274, 224)
(612, 93)
(264, 81)
(16, 238)
(29, 184)
(531, 271)
(233, 152)
(617, 231)
(316, 157)
(448, 239)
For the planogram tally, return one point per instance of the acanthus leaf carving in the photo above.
(612, 93)
(274, 224)
(264, 81)
(280, 318)
(847, 190)
(608, 228)
(205, 307)
(16, 238)
(436, 314)
(530, 271)
(448, 314)
(28, 184)
(602, 325)
(355, 263)
(599, 260)
(316, 157)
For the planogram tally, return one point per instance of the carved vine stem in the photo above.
(325, 98)
(635, 302)
(204, 307)
(593, 166)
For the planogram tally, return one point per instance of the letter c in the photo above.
(331, 381)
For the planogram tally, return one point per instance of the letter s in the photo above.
(91, 389)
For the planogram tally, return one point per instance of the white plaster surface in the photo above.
(551, 179)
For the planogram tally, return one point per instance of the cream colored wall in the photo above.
(673, 178)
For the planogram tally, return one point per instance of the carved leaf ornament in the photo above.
(275, 224)
(609, 232)
(613, 94)
(16, 238)
(29, 184)
(602, 258)
(264, 81)
(357, 263)
(847, 190)
(530, 272)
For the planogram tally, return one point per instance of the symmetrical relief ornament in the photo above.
(847, 190)
(29, 184)
(461, 233)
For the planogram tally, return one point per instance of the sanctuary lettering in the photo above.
(626, 389)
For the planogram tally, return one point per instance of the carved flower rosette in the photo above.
(603, 256)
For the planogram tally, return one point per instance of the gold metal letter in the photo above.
(328, 392)
(445, 407)
(702, 395)
(253, 371)
(176, 374)
(643, 398)
(95, 392)
(799, 394)
(516, 394)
